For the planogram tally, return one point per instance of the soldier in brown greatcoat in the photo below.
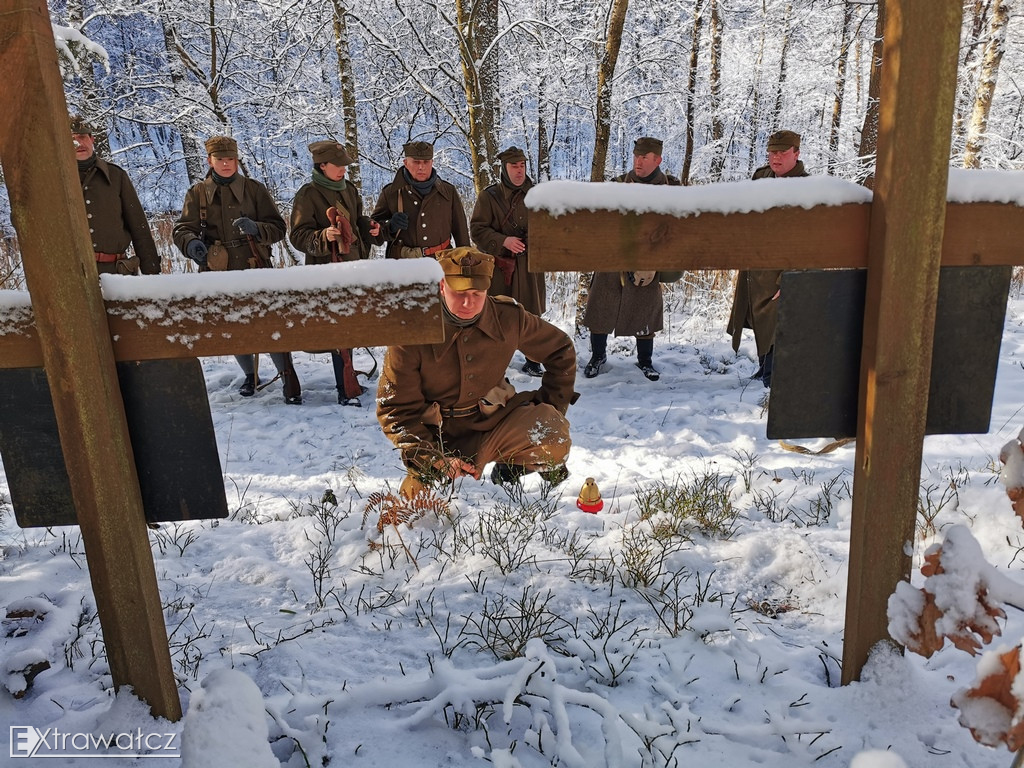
(420, 213)
(328, 225)
(116, 218)
(755, 303)
(629, 303)
(229, 221)
(498, 227)
(448, 406)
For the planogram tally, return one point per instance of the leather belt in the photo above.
(460, 413)
(108, 258)
(234, 243)
(437, 248)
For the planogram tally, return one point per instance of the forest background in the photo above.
(574, 83)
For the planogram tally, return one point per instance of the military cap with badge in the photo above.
(466, 268)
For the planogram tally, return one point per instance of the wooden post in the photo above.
(49, 215)
(919, 64)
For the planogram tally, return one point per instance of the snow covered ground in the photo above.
(520, 631)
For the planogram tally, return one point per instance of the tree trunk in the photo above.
(869, 129)
(780, 86)
(755, 107)
(986, 84)
(91, 103)
(691, 89)
(543, 144)
(348, 88)
(837, 105)
(717, 126)
(605, 73)
(967, 88)
(477, 28)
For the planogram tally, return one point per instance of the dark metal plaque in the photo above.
(173, 441)
(818, 343)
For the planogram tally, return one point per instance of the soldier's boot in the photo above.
(644, 358)
(248, 388)
(532, 368)
(507, 474)
(412, 486)
(292, 388)
(555, 476)
(767, 364)
(594, 366)
(598, 345)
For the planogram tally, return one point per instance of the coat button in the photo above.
(469, 358)
(469, 375)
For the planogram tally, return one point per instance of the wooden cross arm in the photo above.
(307, 308)
(673, 233)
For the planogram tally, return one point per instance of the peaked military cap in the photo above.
(646, 144)
(80, 126)
(222, 146)
(466, 268)
(330, 152)
(780, 141)
(512, 155)
(420, 150)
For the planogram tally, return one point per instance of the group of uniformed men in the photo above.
(448, 407)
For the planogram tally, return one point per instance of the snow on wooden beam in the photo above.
(372, 303)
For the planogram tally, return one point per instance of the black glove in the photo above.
(399, 221)
(246, 226)
(196, 250)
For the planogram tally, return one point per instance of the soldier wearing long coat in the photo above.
(755, 303)
(115, 215)
(230, 213)
(420, 213)
(629, 303)
(328, 225)
(449, 408)
(498, 226)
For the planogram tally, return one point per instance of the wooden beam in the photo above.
(822, 237)
(919, 63)
(48, 213)
(276, 320)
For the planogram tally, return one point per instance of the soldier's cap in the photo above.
(780, 141)
(466, 268)
(80, 126)
(222, 146)
(330, 152)
(512, 155)
(646, 144)
(419, 150)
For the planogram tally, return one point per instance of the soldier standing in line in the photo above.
(328, 225)
(420, 213)
(629, 303)
(228, 222)
(756, 301)
(116, 217)
(448, 406)
(499, 227)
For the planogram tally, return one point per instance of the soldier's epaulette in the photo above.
(506, 300)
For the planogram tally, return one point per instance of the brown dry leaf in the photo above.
(998, 687)
(926, 641)
(1017, 501)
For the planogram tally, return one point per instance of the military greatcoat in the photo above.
(309, 220)
(614, 304)
(452, 397)
(433, 220)
(225, 203)
(753, 304)
(116, 218)
(499, 213)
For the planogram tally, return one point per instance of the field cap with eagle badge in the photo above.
(467, 269)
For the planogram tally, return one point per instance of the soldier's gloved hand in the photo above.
(398, 222)
(640, 279)
(246, 226)
(196, 250)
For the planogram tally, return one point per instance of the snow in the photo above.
(526, 632)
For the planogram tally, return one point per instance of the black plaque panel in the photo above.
(173, 441)
(818, 346)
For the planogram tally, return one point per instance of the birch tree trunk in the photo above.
(986, 84)
(755, 107)
(691, 89)
(605, 73)
(780, 86)
(477, 29)
(348, 88)
(183, 119)
(869, 129)
(972, 46)
(837, 105)
(717, 127)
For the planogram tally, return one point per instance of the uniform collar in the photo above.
(488, 324)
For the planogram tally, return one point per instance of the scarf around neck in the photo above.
(321, 180)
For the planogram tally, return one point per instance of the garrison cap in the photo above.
(222, 146)
(512, 155)
(80, 126)
(780, 141)
(330, 152)
(419, 150)
(466, 268)
(646, 144)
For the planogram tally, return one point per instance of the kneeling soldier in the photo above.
(448, 406)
